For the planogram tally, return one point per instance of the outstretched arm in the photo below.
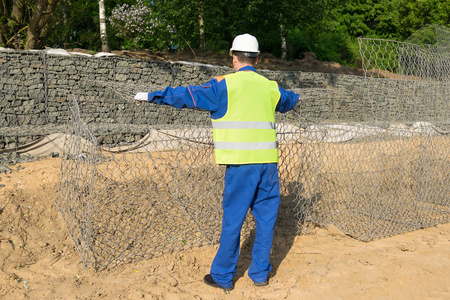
(288, 99)
(202, 96)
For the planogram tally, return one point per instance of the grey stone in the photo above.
(4, 169)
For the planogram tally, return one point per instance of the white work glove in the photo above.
(140, 97)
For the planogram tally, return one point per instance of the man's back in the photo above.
(246, 133)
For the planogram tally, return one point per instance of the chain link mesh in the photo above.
(384, 175)
(391, 174)
(162, 194)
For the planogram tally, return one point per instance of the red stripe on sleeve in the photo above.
(192, 96)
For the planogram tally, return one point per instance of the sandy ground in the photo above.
(38, 259)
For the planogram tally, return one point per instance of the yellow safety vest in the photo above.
(246, 134)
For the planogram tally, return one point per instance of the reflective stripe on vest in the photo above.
(245, 146)
(243, 125)
(246, 134)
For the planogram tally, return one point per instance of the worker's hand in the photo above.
(140, 97)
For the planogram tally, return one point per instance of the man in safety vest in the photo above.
(242, 107)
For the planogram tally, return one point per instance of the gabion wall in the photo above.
(35, 88)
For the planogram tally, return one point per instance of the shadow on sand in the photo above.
(292, 215)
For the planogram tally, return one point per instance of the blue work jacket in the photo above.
(212, 96)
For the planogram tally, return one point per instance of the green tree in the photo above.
(275, 22)
(376, 18)
(26, 23)
(183, 18)
(79, 27)
(416, 14)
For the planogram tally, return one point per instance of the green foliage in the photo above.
(182, 17)
(328, 28)
(76, 24)
(79, 27)
(334, 46)
(378, 18)
(327, 46)
(424, 36)
(416, 14)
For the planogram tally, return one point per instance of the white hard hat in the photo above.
(245, 43)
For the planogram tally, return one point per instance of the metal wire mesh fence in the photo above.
(434, 34)
(385, 174)
(393, 176)
(161, 194)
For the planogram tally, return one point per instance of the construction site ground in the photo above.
(38, 259)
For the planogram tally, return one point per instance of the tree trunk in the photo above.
(3, 23)
(103, 35)
(283, 38)
(18, 12)
(201, 25)
(39, 28)
(12, 22)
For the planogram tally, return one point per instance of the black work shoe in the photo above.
(210, 281)
(262, 283)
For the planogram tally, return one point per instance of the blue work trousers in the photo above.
(254, 186)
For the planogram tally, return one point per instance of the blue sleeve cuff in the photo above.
(288, 100)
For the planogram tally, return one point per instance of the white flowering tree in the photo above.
(138, 27)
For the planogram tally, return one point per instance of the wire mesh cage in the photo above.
(378, 174)
(161, 194)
